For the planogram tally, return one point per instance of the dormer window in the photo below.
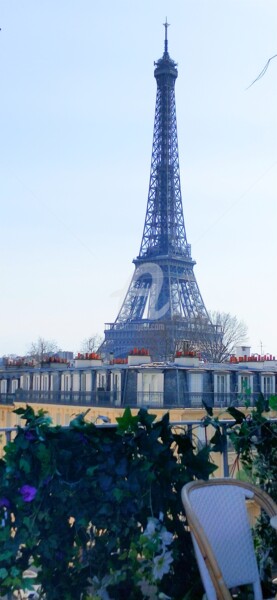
(268, 385)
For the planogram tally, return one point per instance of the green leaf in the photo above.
(245, 474)
(218, 441)
(91, 470)
(145, 418)
(273, 402)
(25, 465)
(28, 412)
(208, 409)
(3, 573)
(28, 522)
(238, 415)
(127, 422)
(119, 494)
(79, 420)
(261, 405)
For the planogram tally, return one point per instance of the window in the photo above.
(83, 382)
(221, 384)
(150, 388)
(14, 385)
(25, 382)
(221, 389)
(36, 383)
(44, 383)
(245, 384)
(196, 389)
(76, 382)
(196, 382)
(268, 384)
(3, 387)
(115, 381)
(67, 383)
(101, 380)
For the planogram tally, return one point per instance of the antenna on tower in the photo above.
(166, 26)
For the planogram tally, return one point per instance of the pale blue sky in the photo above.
(77, 110)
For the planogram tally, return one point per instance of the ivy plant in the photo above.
(96, 511)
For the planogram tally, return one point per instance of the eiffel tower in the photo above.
(163, 305)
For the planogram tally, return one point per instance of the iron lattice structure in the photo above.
(163, 304)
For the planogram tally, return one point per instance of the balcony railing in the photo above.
(96, 398)
(116, 398)
(7, 398)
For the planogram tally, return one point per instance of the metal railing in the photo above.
(7, 398)
(6, 433)
(95, 398)
(106, 398)
(153, 399)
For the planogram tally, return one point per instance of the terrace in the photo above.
(79, 498)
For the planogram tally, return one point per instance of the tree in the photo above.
(230, 333)
(92, 343)
(42, 349)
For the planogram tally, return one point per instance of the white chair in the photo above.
(217, 516)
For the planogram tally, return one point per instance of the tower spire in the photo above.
(166, 26)
(163, 305)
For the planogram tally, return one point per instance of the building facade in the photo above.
(106, 388)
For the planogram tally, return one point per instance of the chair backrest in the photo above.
(221, 533)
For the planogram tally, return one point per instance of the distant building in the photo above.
(64, 387)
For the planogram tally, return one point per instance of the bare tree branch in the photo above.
(231, 333)
(262, 72)
(42, 349)
(92, 343)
